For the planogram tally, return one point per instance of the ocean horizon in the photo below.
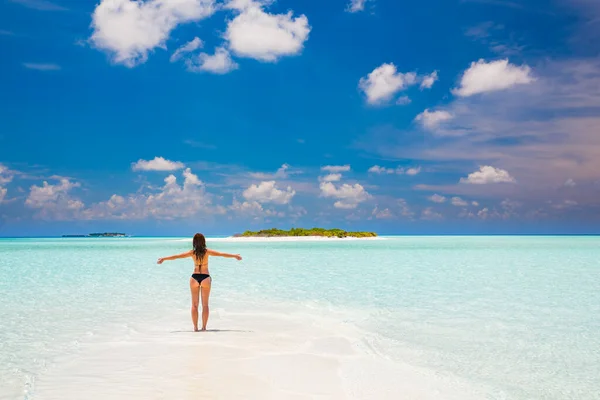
(212, 236)
(487, 317)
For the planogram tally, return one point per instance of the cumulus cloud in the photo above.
(433, 119)
(429, 80)
(482, 77)
(189, 47)
(384, 82)
(436, 198)
(281, 173)
(543, 133)
(254, 33)
(331, 178)
(157, 164)
(129, 30)
(171, 201)
(267, 192)
(376, 169)
(253, 209)
(458, 202)
(6, 176)
(570, 183)
(386, 213)
(403, 100)
(413, 171)
(218, 63)
(356, 6)
(41, 196)
(488, 174)
(53, 201)
(349, 196)
(336, 168)
(405, 210)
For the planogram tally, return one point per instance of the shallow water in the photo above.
(404, 317)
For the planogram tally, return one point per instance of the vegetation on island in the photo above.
(274, 232)
(104, 234)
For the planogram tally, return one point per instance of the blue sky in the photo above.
(169, 117)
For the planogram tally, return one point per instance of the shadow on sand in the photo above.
(212, 330)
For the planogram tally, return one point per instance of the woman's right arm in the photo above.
(175, 257)
(219, 254)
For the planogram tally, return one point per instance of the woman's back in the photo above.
(201, 265)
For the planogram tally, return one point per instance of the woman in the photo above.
(200, 280)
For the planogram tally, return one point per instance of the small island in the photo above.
(104, 234)
(300, 232)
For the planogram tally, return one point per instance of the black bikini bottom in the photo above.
(200, 277)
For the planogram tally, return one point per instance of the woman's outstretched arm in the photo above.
(175, 257)
(219, 254)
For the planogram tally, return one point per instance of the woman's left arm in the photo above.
(226, 255)
(175, 257)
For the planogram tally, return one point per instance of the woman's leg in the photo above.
(205, 289)
(195, 289)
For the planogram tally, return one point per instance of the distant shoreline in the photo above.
(94, 235)
(302, 232)
(290, 238)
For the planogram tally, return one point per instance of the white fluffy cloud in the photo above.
(488, 174)
(254, 210)
(53, 201)
(218, 63)
(336, 168)
(429, 80)
(497, 75)
(403, 100)
(384, 82)
(267, 192)
(41, 196)
(172, 201)
(386, 213)
(189, 47)
(129, 29)
(433, 119)
(254, 33)
(6, 176)
(436, 198)
(331, 178)
(356, 6)
(349, 196)
(281, 173)
(570, 183)
(413, 171)
(376, 169)
(157, 164)
(458, 202)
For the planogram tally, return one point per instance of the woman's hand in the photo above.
(160, 260)
(238, 257)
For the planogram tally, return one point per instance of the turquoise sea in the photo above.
(500, 317)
